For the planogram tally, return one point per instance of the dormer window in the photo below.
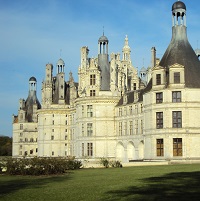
(176, 77)
(158, 79)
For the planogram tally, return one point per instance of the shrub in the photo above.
(41, 166)
(116, 164)
(104, 162)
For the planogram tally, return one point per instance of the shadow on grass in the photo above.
(10, 184)
(180, 186)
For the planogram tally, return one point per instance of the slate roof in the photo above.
(180, 51)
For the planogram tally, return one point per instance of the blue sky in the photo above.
(32, 33)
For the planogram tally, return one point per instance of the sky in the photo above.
(36, 32)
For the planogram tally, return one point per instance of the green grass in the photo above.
(160, 183)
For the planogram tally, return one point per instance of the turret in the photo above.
(180, 51)
(103, 62)
(32, 103)
(126, 50)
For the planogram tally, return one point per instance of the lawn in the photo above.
(160, 183)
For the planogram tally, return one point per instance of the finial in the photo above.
(103, 30)
(60, 53)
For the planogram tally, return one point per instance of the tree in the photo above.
(5, 146)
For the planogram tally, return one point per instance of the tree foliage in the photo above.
(5, 146)
(39, 165)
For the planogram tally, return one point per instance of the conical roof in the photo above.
(180, 51)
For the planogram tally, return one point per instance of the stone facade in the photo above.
(112, 111)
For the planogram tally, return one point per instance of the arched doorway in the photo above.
(120, 151)
(131, 151)
(141, 150)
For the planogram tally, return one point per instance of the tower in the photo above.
(103, 62)
(47, 87)
(32, 103)
(126, 51)
(180, 51)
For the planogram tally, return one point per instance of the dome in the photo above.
(179, 5)
(33, 79)
(60, 62)
(103, 39)
(143, 69)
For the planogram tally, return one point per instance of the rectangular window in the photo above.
(159, 97)
(141, 127)
(125, 128)
(82, 111)
(125, 110)
(21, 126)
(177, 77)
(141, 107)
(177, 119)
(89, 149)
(176, 96)
(82, 130)
(136, 109)
(131, 127)
(52, 153)
(120, 112)
(82, 149)
(159, 120)
(53, 122)
(92, 79)
(89, 111)
(130, 110)
(134, 86)
(65, 137)
(89, 129)
(136, 127)
(52, 137)
(160, 147)
(120, 128)
(177, 146)
(92, 93)
(158, 79)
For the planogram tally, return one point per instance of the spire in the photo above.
(126, 50)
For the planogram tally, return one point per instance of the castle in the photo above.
(112, 111)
